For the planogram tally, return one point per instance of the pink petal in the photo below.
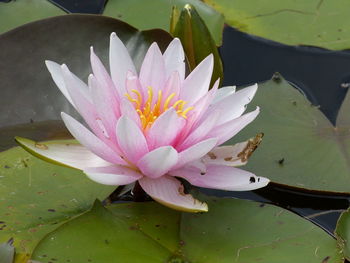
(165, 129)
(152, 72)
(195, 152)
(120, 63)
(197, 83)
(172, 85)
(222, 177)
(90, 141)
(83, 105)
(174, 59)
(229, 129)
(73, 85)
(131, 139)
(104, 80)
(200, 131)
(132, 82)
(200, 110)
(170, 192)
(112, 175)
(234, 105)
(106, 106)
(158, 162)
(127, 109)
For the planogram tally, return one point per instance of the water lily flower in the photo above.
(154, 126)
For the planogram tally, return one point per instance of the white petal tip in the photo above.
(170, 192)
(65, 68)
(64, 115)
(49, 63)
(113, 34)
(197, 206)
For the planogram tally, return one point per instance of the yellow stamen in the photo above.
(150, 95)
(183, 114)
(149, 111)
(156, 107)
(168, 100)
(182, 105)
(139, 97)
(179, 102)
(138, 104)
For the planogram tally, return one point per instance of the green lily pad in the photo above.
(342, 233)
(147, 14)
(143, 14)
(293, 22)
(17, 13)
(232, 231)
(301, 148)
(37, 197)
(27, 84)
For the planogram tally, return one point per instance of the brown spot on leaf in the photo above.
(212, 155)
(51, 210)
(134, 227)
(326, 259)
(251, 146)
(227, 159)
(41, 146)
(181, 190)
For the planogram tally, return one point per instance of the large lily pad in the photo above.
(36, 197)
(17, 13)
(27, 90)
(232, 231)
(294, 22)
(301, 148)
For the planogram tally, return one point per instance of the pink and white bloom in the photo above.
(154, 126)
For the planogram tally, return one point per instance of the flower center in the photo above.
(150, 109)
